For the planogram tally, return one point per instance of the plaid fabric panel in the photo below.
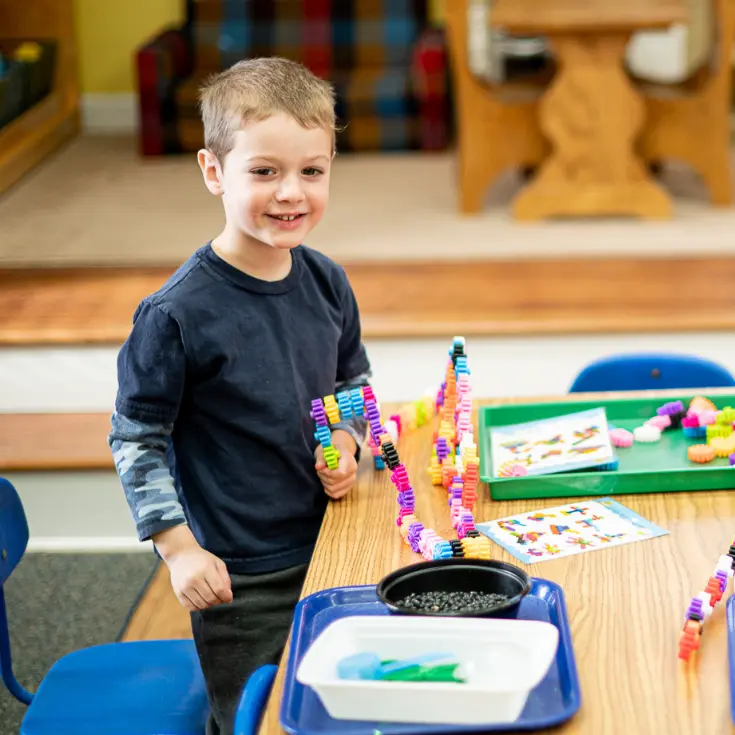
(322, 34)
(161, 65)
(385, 31)
(378, 110)
(226, 31)
(390, 74)
(189, 126)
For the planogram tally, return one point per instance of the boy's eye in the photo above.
(312, 171)
(263, 171)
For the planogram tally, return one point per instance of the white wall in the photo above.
(84, 379)
(76, 511)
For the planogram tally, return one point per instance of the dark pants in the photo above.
(235, 639)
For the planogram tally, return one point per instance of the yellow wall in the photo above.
(436, 9)
(108, 32)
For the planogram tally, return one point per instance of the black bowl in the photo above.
(457, 575)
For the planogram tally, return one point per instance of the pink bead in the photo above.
(621, 438)
(660, 422)
(707, 417)
(690, 422)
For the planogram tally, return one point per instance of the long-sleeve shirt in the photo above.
(211, 424)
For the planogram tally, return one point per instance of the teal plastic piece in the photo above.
(359, 666)
(643, 468)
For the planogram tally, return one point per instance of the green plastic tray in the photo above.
(643, 468)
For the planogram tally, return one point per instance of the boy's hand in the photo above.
(337, 483)
(200, 579)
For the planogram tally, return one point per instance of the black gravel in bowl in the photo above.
(455, 587)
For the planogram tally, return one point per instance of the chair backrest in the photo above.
(253, 699)
(324, 35)
(13, 529)
(651, 371)
(13, 543)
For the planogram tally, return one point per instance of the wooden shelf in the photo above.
(26, 141)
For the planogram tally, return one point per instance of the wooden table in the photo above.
(626, 605)
(591, 112)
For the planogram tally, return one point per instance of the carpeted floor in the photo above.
(58, 603)
(97, 202)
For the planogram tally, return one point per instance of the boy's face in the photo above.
(275, 180)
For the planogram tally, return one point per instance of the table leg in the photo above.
(592, 114)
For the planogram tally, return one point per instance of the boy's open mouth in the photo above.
(286, 217)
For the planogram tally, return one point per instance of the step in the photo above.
(405, 299)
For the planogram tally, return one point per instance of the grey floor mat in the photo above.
(59, 603)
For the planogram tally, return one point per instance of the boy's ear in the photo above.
(211, 171)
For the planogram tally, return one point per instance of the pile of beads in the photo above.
(702, 605)
(454, 430)
(704, 421)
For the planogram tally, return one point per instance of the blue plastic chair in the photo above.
(136, 688)
(253, 700)
(651, 371)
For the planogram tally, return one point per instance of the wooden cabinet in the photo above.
(28, 139)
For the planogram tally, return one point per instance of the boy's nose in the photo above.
(290, 191)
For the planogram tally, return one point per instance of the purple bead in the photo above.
(406, 500)
(722, 576)
(318, 413)
(371, 410)
(415, 529)
(695, 608)
(442, 449)
(732, 459)
(669, 409)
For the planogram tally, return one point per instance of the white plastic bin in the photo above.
(504, 660)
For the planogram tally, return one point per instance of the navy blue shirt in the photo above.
(233, 363)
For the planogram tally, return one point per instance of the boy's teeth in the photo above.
(287, 218)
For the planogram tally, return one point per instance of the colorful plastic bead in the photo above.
(621, 438)
(700, 453)
(647, 434)
(669, 409)
(661, 422)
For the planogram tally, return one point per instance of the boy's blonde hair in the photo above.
(252, 90)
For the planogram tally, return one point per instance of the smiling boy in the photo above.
(211, 434)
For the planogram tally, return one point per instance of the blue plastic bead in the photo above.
(358, 403)
(323, 435)
(345, 405)
(442, 550)
(461, 366)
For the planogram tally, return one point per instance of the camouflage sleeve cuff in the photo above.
(139, 453)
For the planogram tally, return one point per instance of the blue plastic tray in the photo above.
(554, 700)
